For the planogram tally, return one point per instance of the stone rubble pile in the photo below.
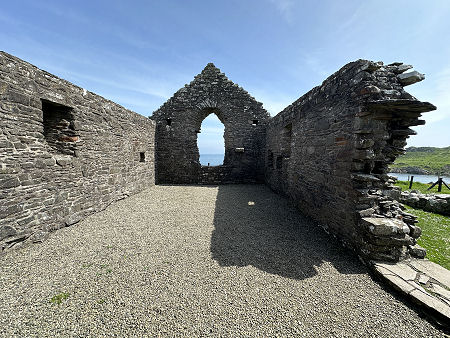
(438, 203)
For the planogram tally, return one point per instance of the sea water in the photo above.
(217, 159)
(420, 178)
(212, 159)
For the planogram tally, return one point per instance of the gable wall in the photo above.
(177, 155)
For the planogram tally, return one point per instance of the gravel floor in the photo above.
(194, 261)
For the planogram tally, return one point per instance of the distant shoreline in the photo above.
(423, 161)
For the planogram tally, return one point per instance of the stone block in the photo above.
(407, 79)
(6, 231)
(17, 97)
(7, 183)
(435, 271)
(402, 270)
(417, 251)
(383, 226)
(442, 292)
(39, 236)
(63, 160)
(10, 209)
(428, 300)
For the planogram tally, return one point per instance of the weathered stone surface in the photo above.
(400, 269)
(338, 175)
(385, 226)
(39, 236)
(9, 182)
(421, 280)
(71, 152)
(50, 135)
(399, 283)
(425, 298)
(6, 231)
(438, 203)
(63, 160)
(73, 218)
(402, 68)
(407, 79)
(433, 270)
(417, 251)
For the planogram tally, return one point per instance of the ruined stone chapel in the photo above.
(66, 152)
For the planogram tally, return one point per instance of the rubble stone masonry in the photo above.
(179, 121)
(64, 153)
(329, 152)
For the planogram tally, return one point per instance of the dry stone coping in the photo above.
(425, 282)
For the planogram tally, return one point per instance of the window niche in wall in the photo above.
(279, 162)
(59, 130)
(270, 159)
(142, 157)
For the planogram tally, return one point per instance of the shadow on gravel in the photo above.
(272, 235)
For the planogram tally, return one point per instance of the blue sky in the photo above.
(138, 53)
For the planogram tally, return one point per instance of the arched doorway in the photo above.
(211, 141)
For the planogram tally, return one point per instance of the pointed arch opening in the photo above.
(211, 141)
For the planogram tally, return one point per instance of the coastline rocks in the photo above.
(413, 170)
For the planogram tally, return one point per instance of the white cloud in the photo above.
(285, 8)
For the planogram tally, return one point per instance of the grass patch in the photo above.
(58, 299)
(422, 187)
(434, 160)
(435, 235)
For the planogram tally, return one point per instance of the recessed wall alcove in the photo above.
(59, 129)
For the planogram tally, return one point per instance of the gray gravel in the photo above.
(194, 261)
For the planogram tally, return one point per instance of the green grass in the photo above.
(434, 160)
(57, 299)
(422, 187)
(435, 235)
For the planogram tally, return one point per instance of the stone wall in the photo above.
(329, 151)
(179, 121)
(64, 152)
(438, 203)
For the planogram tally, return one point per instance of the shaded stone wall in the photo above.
(329, 151)
(64, 152)
(179, 121)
